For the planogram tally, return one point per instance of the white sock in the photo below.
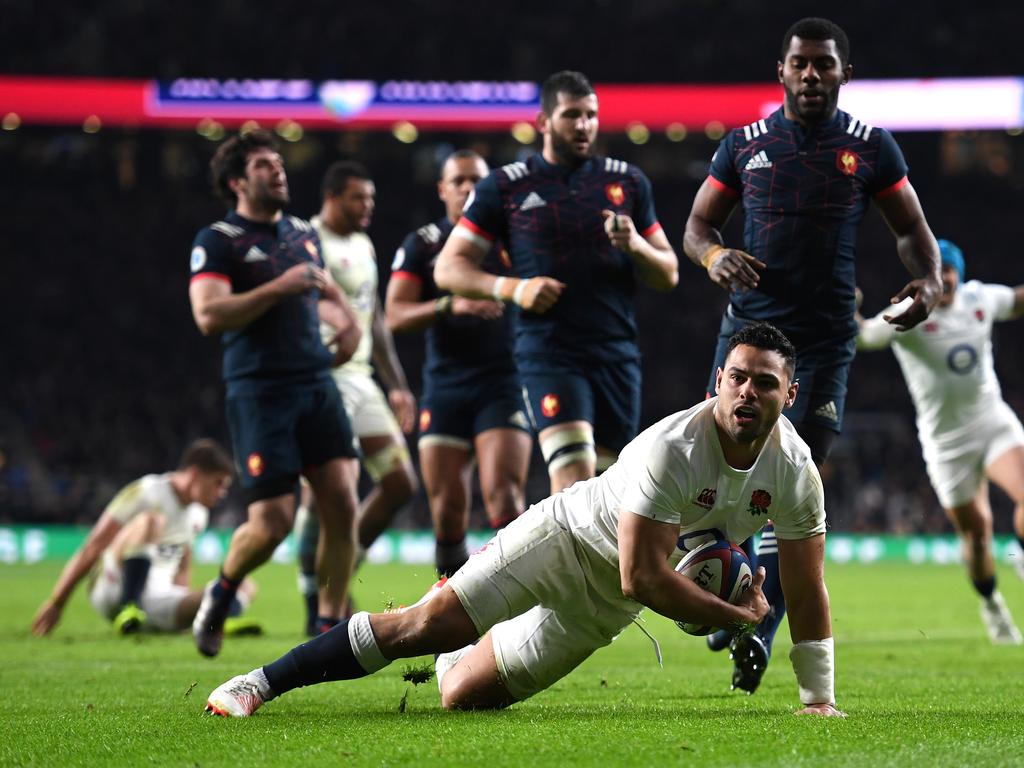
(262, 684)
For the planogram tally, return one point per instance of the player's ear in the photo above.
(779, 67)
(847, 74)
(542, 122)
(791, 393)
(440, 190)
(718, 380)
(235, 184)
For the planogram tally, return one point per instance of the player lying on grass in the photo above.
(968, 433)
(573, 571)
(139, 552)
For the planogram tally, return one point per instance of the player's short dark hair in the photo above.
(765, 336)
(814, 28)
(461, 154)
(229, 160)
(573, 84)
(206, 455)
(337, 175)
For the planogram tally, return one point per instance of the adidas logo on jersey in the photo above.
(533, 200)
(828, 411)
(254, 254)
(760, 160)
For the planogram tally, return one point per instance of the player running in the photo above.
(580, 230)
(346, 212)
(258, 279)
(472, 404)
(805, 175)
(967, 431)
(138, 555)
(573, 571)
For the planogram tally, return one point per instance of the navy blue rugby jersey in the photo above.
(549, 217)
(804, 192)
(282, 347)
(458, 348)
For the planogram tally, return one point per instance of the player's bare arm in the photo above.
(334, 309)
(406, 312)
(385, 362)
(216, 309)
(802, 572)
(644, 549)
(918, 251)
(656, 262)
(458, 270)
(729, 268)
(1018, 302)
(100, 537)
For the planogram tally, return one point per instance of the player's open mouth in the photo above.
(744, 414)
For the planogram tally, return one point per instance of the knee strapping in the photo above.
(393, 456)
(568, 446)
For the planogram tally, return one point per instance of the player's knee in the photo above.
(504, 500)
(400, 484)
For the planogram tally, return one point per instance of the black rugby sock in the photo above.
(985, 587)
(134, 572)
(323, 659)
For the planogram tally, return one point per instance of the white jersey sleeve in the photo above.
(804, 514)
(876, 332)
(132, 500)
(659, 488)
(999, 299)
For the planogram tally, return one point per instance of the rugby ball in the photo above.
(720, 567)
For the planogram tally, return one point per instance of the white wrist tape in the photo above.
(517, 295)
(496, 288)
(814, 663)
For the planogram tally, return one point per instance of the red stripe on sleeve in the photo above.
(210, 276)
(403, 275)
(723, 187)
(893, 189)
(655, 227)
(476, 230)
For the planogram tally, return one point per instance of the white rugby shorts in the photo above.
(956, 478)
(367, 407)
(528, 588)
(160, 599)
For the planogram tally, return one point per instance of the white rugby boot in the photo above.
(998, 622)
(240, 696)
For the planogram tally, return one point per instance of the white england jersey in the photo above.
(947, 363)
(352, 263)
(675, 472)
(182, 522)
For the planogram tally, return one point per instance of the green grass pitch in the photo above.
(921, 684)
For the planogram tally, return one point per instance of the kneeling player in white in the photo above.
(968, 433)
(570, 574)
(139, 551)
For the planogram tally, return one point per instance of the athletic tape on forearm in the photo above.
(517, 295)
(364, 644)
(497, 288)
(814, 664)
(711, 255)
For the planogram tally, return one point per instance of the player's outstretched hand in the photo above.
(925, 292)
(302, 278)
(486, 309)
(822, 710)
(539, 294)
(621, 231)
(753, 598)
(46, 618)
(403, 405)
(735, 270)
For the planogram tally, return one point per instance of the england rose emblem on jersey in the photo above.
(847, 162)
(615, 193)
(759, 502)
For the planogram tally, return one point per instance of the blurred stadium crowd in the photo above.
(106, 377)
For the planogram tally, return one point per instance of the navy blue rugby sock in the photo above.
(768, 556)
(134, 572)
(323, 659)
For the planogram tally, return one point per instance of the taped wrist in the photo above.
(711, 255)
(814, 664)
(443, 305)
